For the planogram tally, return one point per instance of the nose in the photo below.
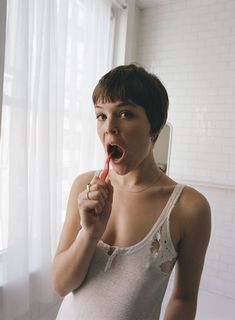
(111, 127)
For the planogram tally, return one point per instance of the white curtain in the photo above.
(55, 52)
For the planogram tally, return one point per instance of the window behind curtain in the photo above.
(55, 53)
(75, 68)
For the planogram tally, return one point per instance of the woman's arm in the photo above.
(78, 241)
(196, 234)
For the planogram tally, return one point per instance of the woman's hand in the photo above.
(95, 204)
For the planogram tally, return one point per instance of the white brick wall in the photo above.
(219, 269)
(190, 45)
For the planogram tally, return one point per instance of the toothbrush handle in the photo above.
(103, 175)
(105, 171)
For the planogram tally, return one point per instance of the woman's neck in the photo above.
(146, 175)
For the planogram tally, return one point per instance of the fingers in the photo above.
(89, 205)
(97, 190)
(96, 195)
(96, 180)
(94, 206)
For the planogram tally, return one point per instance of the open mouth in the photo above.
(116, 151)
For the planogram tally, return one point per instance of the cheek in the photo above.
(141, 140)
(142, 134)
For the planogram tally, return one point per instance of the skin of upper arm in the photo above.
(192, 248)
(72, 220)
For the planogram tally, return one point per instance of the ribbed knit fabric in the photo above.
(126, 283)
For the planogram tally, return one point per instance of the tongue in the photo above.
(117, 152)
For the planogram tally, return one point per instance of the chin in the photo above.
(121, 170)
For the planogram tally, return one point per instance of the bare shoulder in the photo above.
(72, 219)
(194, 201)
(78, 185)
(195, 226)
(82, 180)
(195, 210)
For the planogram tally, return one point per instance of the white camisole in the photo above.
(126, 283)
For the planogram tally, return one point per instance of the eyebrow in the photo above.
(121, 104)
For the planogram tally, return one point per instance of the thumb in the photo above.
(96, 176)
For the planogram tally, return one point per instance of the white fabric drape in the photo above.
(55, 52)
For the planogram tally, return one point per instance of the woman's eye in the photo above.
(126, 115)
(100, 116)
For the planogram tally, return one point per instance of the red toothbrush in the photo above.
(105, 171)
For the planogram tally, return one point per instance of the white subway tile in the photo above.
(191, 47)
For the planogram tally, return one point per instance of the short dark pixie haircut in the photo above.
(133, 84)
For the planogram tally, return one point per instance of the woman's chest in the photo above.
(133, 217)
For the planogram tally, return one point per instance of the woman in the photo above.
(122, 236)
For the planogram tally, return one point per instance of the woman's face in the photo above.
(124, 129)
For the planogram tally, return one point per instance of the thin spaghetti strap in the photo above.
(166, 211)
(166, 226)
(178, 191)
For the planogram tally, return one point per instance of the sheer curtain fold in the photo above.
(96, 50)
(55, 52)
